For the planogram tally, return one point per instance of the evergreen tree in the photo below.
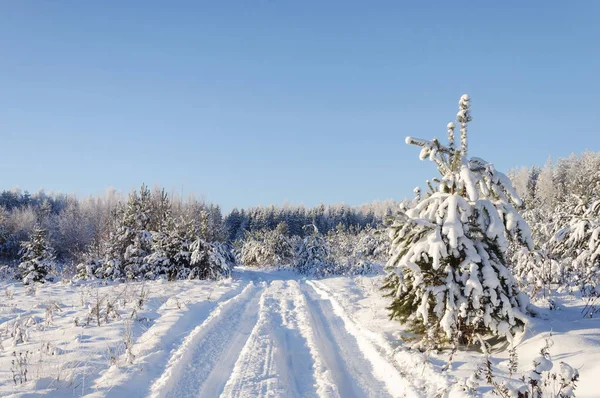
(210, 261)
(447, 273)
(130, 241)
(281, 245)
(313, 256)
(37, 257)
(233, 223)
(268, 248)
(171, 251)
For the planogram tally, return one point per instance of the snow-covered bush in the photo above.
(447, 272)
(373, 245)
(356, 253)
(37, 257)
(8, 272)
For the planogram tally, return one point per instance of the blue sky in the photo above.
(260, 102)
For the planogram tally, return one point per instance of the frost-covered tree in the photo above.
(577, 245)
(210, 261)
(171, 252)
(373, 245)
(268, 248)
(356, 253)
(254, 251)
(313, 256)
(534, 270)
(37, 257)
(447, 273)
(129, 241)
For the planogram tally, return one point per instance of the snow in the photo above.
(259, 333)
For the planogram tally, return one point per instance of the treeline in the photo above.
(76, 227)
(325, 218)
(150, 234)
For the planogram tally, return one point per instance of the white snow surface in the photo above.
(258, 334)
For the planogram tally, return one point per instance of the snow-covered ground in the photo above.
(260, 333)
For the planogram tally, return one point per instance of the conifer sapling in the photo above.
(447, 270)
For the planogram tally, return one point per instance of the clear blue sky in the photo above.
(261, 102)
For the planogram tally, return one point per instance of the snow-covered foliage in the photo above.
(171, 251)
(447, 271)
(358, 253)
(268, 248)
(542, 382)
(148, 242)
(534, 270)
(563, 211)
(37, 257)
(210, 261)
(313, 256)
(578, 246)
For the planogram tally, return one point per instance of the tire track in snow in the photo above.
(351, 371)
(153, 348)
(208, 354)
(406, 373)
(277, 359)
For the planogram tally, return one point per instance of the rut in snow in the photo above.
(209, 353)
(277, 338)
(276, 360)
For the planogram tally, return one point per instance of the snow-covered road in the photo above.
(257, 334)
(278, 337)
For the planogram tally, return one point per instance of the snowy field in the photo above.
(257, 334)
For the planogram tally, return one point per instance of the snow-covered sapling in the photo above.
(37, 257)
(447, 270)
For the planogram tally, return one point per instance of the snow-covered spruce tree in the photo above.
(342, 243)
(281, 245)
(447, 273)
(171, 252)
(210, 260)
(130, 241)
(37, 257)
(313, 256)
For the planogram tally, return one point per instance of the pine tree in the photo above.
(37, 257)
(447, 273)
